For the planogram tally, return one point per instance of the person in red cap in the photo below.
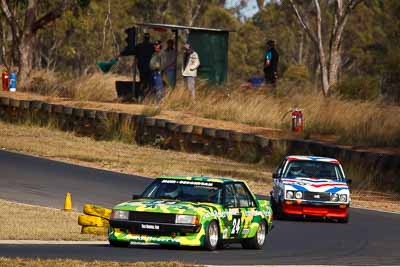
(191, 63)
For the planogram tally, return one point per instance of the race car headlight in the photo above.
(119, 215)
(334, 197)
(289, 194)
(343, 198)
(186, 219)
(299, 195)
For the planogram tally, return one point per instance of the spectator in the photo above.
(271, 64)
(191, 63)
(144, 52)
(169, 63)
(155, 66)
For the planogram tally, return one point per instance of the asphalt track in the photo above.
(371, 238)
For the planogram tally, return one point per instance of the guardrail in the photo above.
(166, 134)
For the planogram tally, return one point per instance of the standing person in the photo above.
(144, 52)
(156, 66)
(271, 64)
(191, 63)
(169, 63)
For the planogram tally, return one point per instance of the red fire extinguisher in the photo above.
(5, 80)
(297, 120)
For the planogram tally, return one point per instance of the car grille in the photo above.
(321, 196)
(151, 217)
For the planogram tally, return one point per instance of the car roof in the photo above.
(312, 158)
(201, 179)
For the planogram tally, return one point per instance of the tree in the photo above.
(25, 19)
(329, 56)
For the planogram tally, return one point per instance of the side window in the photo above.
(279, 170)
(244, 197)
(230, 200)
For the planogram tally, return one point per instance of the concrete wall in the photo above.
(383, 169)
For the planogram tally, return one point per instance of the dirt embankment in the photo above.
(186, 117)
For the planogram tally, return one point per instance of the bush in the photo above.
(297, 73)
(361, 87)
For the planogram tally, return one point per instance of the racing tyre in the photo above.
(279, 213)
(257, 242)
(118, 244)
(211, 241)
(344, 220)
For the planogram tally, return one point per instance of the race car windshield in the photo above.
(184, 190)
(313, 169)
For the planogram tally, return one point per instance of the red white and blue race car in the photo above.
(310, 186)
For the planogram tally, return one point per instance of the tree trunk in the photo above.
(301, 45)
(334, 64)
(25, 49)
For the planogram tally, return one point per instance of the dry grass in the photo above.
(368, 123)
(6, 262)
(352, 122)
(28, 222)
(93, 87)
(123, 157)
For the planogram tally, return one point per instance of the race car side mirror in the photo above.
(134, 196)
(349, 181)
(275, 175)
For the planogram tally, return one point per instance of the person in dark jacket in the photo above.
(144, 51)
(271, 61)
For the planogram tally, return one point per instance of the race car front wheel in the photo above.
(211, 241)
(118, 244)
(257, 242)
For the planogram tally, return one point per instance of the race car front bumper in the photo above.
(160, 233)
(317, 210)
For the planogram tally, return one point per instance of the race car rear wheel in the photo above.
(118, 244)
(257, 242)
(212, 236)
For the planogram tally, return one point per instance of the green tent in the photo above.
(212, 47)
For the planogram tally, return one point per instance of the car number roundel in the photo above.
(236, 223)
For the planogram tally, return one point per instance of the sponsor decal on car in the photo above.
(150, 226)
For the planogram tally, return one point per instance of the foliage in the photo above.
(359, 87)
(94, 31)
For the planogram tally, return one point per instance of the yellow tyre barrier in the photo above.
(92, 230)
(98, 211)
(87, 220)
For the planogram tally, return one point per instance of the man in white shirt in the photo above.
(191, 63)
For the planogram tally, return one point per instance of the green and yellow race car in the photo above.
(192, 211)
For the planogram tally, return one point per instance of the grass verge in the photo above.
(18, 262)
(28, 222)
(126, 158)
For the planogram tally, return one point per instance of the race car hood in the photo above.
(169, 206)
(314, 185)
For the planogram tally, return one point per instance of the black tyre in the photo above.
(257, 242)
(280, 215)
(273, 206)
(118, 244)
(212, 241)
(344, 220)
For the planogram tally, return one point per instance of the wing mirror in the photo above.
(275, 175)
(135, 196)
(349, 181)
